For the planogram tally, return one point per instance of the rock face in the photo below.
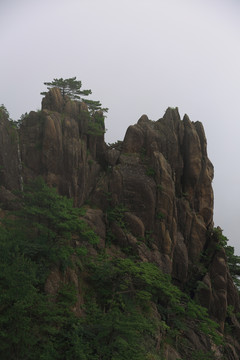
(163, 175)
(55, 144)
(9, 162)
(158, 180)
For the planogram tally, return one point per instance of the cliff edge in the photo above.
(149, 196)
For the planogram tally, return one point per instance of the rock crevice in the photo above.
(160, 175)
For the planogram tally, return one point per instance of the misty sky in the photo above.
(138, 57)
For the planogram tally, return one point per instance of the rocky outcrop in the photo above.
(9, 161)
(55, 144)
(151, 194)
(163, 176)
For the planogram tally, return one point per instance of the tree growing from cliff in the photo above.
(95, 107)
(72, 89)
(69, 87)
(3, 111)
(233, 260)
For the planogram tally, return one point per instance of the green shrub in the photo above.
(128, 305)
(116, 215)
(150, 172)
(160, 216)
(4, 112)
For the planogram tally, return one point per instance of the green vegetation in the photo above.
(69, 87)
(116, 215)
(234, 265)
(160, 216)
(202, 355)
(143, 154)
(233, 260)
(150, 172)
(34, 240)
(129, 308)
(120, 314)
(160, 187)
(13, 124)
(24, 116)
(95, 115)
(94, 107)
(116, 145)
(96, 125)
(3, 111)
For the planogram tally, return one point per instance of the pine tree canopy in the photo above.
(94, 106)
(69, 87)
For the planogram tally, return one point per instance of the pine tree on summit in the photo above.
(68, 87)
(71, 88)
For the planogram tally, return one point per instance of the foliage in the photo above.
(121, 319)
(96, 125)
(69, 87)
(23, 116)
(95, 115)
(129, 307)
(94, 107)
(218, 237)
(206, 325)
(33, 240)
(116, 145)
(117, 215)
(4, 111)
(160, 216)
(72, 89)
(5, 114)
(45, 223)
(232, 259)
(28, 321)
(234, 265)
(150, 172)
(120, 282)
(160, 187)
(202, 355)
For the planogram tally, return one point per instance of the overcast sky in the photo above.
(138, 57)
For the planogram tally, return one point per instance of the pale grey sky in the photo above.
(138, 57)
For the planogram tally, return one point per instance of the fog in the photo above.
(138, 57)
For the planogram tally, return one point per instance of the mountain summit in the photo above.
(149, 200)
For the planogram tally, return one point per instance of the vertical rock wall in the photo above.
(160, 174)
(55, 145)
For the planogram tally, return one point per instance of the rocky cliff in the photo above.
(158, 182)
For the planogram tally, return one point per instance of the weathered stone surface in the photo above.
(9, 160)
(134, 140)
(135, 225)
(163, 176)
(180, 260)
(204, 292)
(232, 294)
(170, 353)
(160, 175)
(218, 274)
(7, 199)
(95, 219)
(55, 146)
(57, 278)
(112, 156)
(197, 237)
(53, 101)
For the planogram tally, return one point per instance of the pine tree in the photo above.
(94, 107)
(69, 87)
